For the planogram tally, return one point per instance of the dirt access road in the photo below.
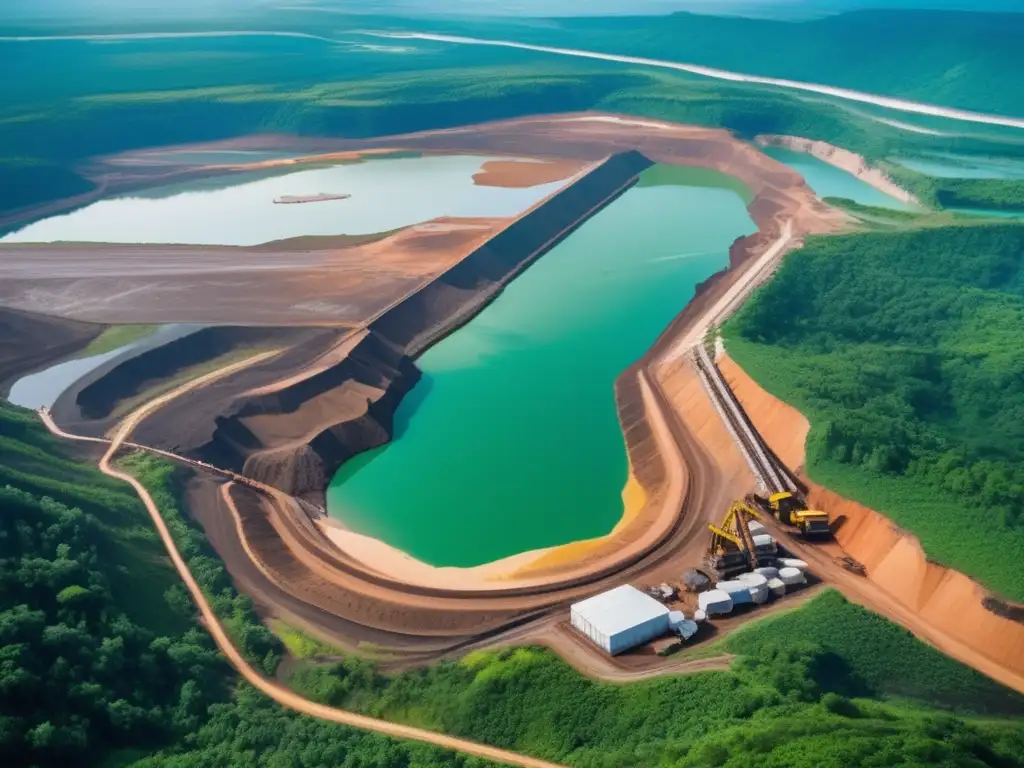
(737, 293)
(275, 691)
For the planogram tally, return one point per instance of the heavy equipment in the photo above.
(733, 550)
(791, 509)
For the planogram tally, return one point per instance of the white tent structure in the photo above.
(620, 619)
(714, 601)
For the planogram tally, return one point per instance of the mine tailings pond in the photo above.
(238, 209)
(511, 440)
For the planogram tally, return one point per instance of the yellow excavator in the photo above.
(732, 550)
(791, 509)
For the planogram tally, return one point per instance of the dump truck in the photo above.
(732, 550)
(791, 509)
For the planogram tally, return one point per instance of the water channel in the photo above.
(511, 441)
(44, 387)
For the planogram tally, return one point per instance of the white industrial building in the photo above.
(620, 619)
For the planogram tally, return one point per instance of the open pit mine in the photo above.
(318, 337)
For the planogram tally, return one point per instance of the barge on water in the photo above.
(319, 198)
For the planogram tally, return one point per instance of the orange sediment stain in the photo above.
(634, 497)
(945, 605)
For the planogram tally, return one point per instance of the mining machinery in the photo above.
(791, 509)
(732, 550)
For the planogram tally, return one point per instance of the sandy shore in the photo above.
(525, 173)
(844, 160)
(644, 521)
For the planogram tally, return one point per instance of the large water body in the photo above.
(511, 441)
(828, 181)
(385, 194)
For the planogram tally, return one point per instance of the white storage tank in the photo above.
(792, 576)
(777, 586)
(757, 586)
(760, 595)
(737, 591)
(755, 527)
(753, 579)
(620, 619)
(792, 562)
(768, 572)
(714, 601)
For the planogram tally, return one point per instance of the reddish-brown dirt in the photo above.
(303, 281)
(523, 173)
(938, 603)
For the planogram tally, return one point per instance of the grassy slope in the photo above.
(906, 669)
(115, 337)
(902, 349)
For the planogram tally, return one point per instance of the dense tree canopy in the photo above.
(101, 662)
(100, 653)
(905, 351)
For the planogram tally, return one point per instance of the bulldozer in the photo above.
(791, 509)
(732, 550)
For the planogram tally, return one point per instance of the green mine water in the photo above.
(511, 441)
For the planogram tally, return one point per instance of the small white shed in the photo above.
(620, 619)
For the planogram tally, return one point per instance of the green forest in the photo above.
(102, 661)
(104, 664)
(994, 194)
(948, 58)
(163, 92)
(825, 684)
(904, 351)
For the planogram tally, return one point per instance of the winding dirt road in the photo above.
(275, 691)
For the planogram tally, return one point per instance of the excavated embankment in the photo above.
(98, 399)
(296, 436)
(946, 601)
(28, 341)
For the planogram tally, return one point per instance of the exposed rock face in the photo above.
(296, 436)
(98, 399)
